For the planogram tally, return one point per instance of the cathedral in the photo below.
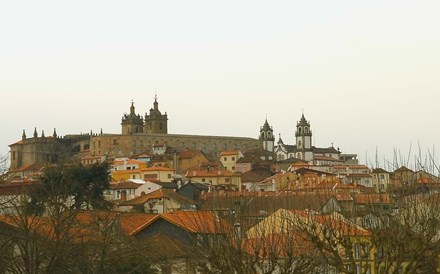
(140, 133)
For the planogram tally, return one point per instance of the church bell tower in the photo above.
(266, 137)
(155, 122)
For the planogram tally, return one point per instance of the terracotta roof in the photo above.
(213, 173)
(192, 221)
(158, 194)
(128, 162)
(17, 143)
(372, 199)
(124, 185)
(30, 167)
(189, 154)
(255, 175)
(129, 222)
(230, 153)
(351, 167)
(157, 168)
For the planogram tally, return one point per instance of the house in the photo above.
(189, 158)
(251, 178)
(381, 180)
(159, 201)
(157, 173)
(121, 190)
(229, 158)
(214, 176)
(348, 243)
(193, 190)
(92, 159)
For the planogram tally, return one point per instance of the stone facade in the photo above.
(137, 136)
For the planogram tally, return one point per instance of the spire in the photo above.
(35, 133)
(42, 134)
(132, 108)
(156, 104)
(280, 141)
(54, 133)
(23, 137)
(101, 132)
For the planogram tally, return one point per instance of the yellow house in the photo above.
(351, 244)
(229, 159)
(215, 177)
(156, 173)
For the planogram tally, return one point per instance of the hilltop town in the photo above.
(232, 204)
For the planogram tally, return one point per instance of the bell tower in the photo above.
(155, 122)
(132, 123)
(303, 136)
(266, 137)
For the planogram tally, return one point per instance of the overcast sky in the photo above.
(365, 73)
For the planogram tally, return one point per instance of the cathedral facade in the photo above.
(138, 135)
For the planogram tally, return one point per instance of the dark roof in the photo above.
(292, 160)
(255, 175)
(325, 150)
(379, 170)
(124, 185)
(403, 169)
(167, 185)
(160, 193)
(304, 170)
(199, 186)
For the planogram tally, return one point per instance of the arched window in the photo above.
(263, 135)
(268, 134)
(298, 155)
(299, 144)
(300, 130)
(306, 130)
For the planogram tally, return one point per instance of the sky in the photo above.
(365, 73)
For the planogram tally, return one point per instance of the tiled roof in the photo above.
(326, 158)
(379, 170)
(197, 221)
(213, 173)
(403, 169)
(128, 162)
(372, 199)
(325, 150)
(255, 175)
(157, 168)
(350, 167)
(230, 153)
(17, 143)
(157, 194)
(188, 154)
(124, 185)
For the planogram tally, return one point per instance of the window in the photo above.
(169, 175)
(203, 180)
(306, 130)
(233, 158)
(225, 146)
(382, 186)
(225, 159)
(357, 251)
(299, 130)
(299, 143)
(233, 168)
(227, 180)
(382, 176)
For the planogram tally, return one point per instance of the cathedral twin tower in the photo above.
(154, 122)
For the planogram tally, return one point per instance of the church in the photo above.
(302, 149)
